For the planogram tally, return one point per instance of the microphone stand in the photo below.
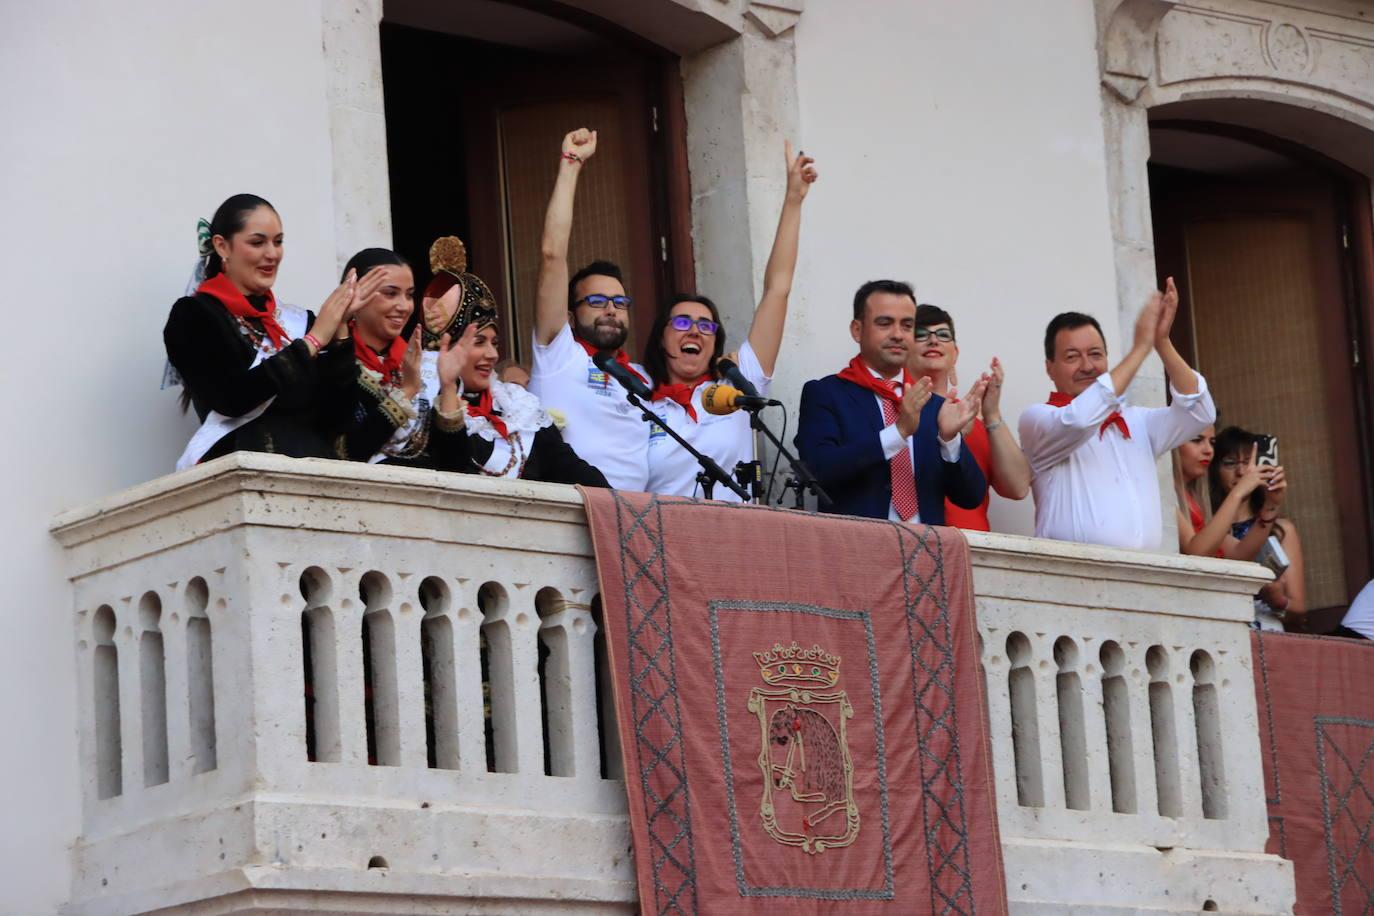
(804, 482)
(711, 473)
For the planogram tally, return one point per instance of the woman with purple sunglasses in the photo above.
(687, 342)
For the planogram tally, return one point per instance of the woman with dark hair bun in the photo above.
(263, 376)
(391, 415)
(687, 342)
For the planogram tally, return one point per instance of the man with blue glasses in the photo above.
(574, 320)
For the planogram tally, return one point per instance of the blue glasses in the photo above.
(601, 303)
(684, 323)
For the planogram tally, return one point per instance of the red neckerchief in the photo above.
(1060, 399)
(485, 407)
(620, 356)
(238, 305)
(857, 372)
(395, 355)
(682, 393)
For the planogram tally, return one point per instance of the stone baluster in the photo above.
(177, 678)
(1099, 773)
(523, 629)
(350, 681)
(130, 697)
(1190, 784)
(1045, 673)
(581, 633)
(996, 669)
(467, 623)
(1142, 739)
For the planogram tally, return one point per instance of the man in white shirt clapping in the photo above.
(1092, 456)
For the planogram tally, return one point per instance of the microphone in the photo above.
(722, 399)
(728, 368)
(629, 381)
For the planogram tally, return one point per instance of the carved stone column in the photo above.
(1127, 48)
(741, 101)
(357, 125)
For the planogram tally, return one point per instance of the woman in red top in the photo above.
(999, 457)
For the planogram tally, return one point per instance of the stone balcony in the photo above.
(282, 706)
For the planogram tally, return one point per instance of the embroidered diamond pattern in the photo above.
(1345, 749)
(944, 818)
(654, 702)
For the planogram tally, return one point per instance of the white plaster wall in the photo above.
(961, 149)
(123, 124)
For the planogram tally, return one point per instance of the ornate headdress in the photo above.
(448, 261)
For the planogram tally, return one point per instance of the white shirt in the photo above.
(1360, 617)
(727, 439)
(1103, 489)
(603, 428)
(891, 440)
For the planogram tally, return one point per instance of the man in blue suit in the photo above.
(880, 442)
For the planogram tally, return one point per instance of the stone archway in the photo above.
(1303, 74)
(740, 93)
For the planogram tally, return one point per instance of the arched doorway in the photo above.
(478, 96)
(1237, 86)
(1259, 233)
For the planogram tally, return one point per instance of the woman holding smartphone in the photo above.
(1256, 519)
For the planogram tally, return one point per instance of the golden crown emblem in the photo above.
(797, 666)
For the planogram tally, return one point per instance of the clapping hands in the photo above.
(957, 413)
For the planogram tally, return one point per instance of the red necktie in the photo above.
(1060, 399)
(899, 465)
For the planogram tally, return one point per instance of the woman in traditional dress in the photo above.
(263, 376)
(391, 418)
(481, 424)
(686, 343)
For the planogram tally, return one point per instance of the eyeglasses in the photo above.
(684, 323)
(944, 335)
(601, 303)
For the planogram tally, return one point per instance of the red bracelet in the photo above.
(571, 157)
(312, 339)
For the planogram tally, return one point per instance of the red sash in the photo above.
(1060, 399)
(620, 356)
(682, 393)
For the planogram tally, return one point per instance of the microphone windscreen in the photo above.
(719, 399)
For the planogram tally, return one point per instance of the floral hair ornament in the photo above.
(448, 261)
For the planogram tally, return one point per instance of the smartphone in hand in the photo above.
(1267, 455)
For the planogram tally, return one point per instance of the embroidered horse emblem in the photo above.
(808, 775)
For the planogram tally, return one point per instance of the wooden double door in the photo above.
(474, 131)
(1274, 315)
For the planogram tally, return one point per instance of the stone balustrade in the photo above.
(310, 686)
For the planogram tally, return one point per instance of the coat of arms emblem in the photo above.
(808, 775)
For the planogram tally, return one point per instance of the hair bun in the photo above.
(448, 255)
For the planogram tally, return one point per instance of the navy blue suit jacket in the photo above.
(837, 437)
